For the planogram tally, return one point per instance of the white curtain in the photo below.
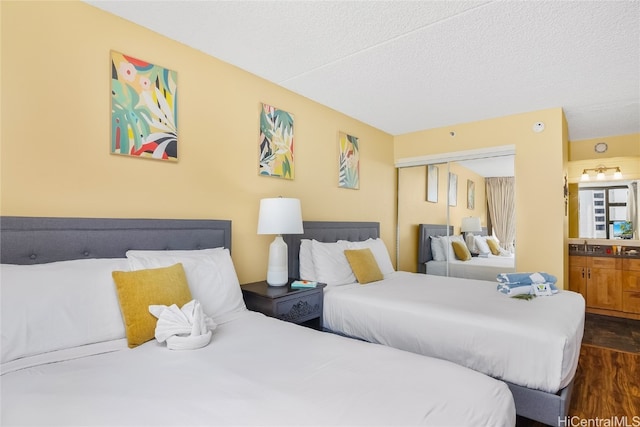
(633, 215)
(502, 209)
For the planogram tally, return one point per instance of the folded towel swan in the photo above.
(187, 328)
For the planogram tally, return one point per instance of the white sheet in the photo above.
(255, 371)
(534, 343)
(479, 268)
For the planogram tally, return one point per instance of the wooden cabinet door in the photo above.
(578, 275)
(631, 281)
(578, 280)
(604, 288)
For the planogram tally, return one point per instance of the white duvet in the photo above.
(255, 371)
(535, 344)
(480, 268)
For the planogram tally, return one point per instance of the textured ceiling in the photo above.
(404, 66)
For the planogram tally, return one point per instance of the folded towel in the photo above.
(520, 288)
(183, 329)
(526, 278)
(512, 290)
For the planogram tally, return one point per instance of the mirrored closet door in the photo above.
(457, 218)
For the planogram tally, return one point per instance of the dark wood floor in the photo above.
(612, 332)
(607, 382)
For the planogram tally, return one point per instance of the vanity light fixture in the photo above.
(600, 173)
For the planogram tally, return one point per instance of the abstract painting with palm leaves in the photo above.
(276, 143)
(349, 167)
(144, 109)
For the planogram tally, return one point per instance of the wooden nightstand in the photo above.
(301, 306)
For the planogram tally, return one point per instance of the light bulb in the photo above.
(600, 176)
(617, 174)
(585, 176)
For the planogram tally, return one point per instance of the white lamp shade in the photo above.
(280, 215)
(471, 224)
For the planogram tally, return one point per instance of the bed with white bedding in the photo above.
(532, 345)
(65, 358)
(484, 267)
(481, 268)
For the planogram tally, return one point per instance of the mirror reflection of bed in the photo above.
(481, 266)
(435, 200)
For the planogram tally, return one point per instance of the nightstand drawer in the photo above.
(300, 309)
(303, 306)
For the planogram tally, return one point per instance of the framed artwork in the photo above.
(453, 189)
(276, 143)
(144, 109)
(349, 162)
(471, 194)
(432, 183)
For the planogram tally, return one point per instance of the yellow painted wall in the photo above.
(55, 158)
(540, 165)
(623, 152)
(618, 146)
(414, 209)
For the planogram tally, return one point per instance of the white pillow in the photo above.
(331, 265)
(59, 305)
(437, 248)
(379, 251)
(481, 244)
(210, 273)
(305, 260)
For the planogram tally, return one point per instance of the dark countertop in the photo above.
(629, 252)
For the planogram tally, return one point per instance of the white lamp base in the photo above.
(468, 239)
(278, 270)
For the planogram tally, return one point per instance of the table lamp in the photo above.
(279, 216)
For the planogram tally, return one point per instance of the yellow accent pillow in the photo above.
(461, 251)
(139, 289)
(493, 246)
(364, 265)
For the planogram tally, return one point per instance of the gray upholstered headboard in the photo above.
(425, 231)
(37, 240)
(327, 231)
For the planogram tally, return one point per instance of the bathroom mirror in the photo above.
(604, 208)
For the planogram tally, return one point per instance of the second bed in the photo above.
(532, 345)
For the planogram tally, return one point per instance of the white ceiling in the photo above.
(404, 66)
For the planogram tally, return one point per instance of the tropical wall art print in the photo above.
(349, 162)
(276, 143)
(144, 109)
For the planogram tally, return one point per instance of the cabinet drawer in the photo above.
(300, 309)
(631, 302)
(601, 262)
(631, 281)
(631, 264)
(577, 261)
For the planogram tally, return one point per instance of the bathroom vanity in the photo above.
(607, 274)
